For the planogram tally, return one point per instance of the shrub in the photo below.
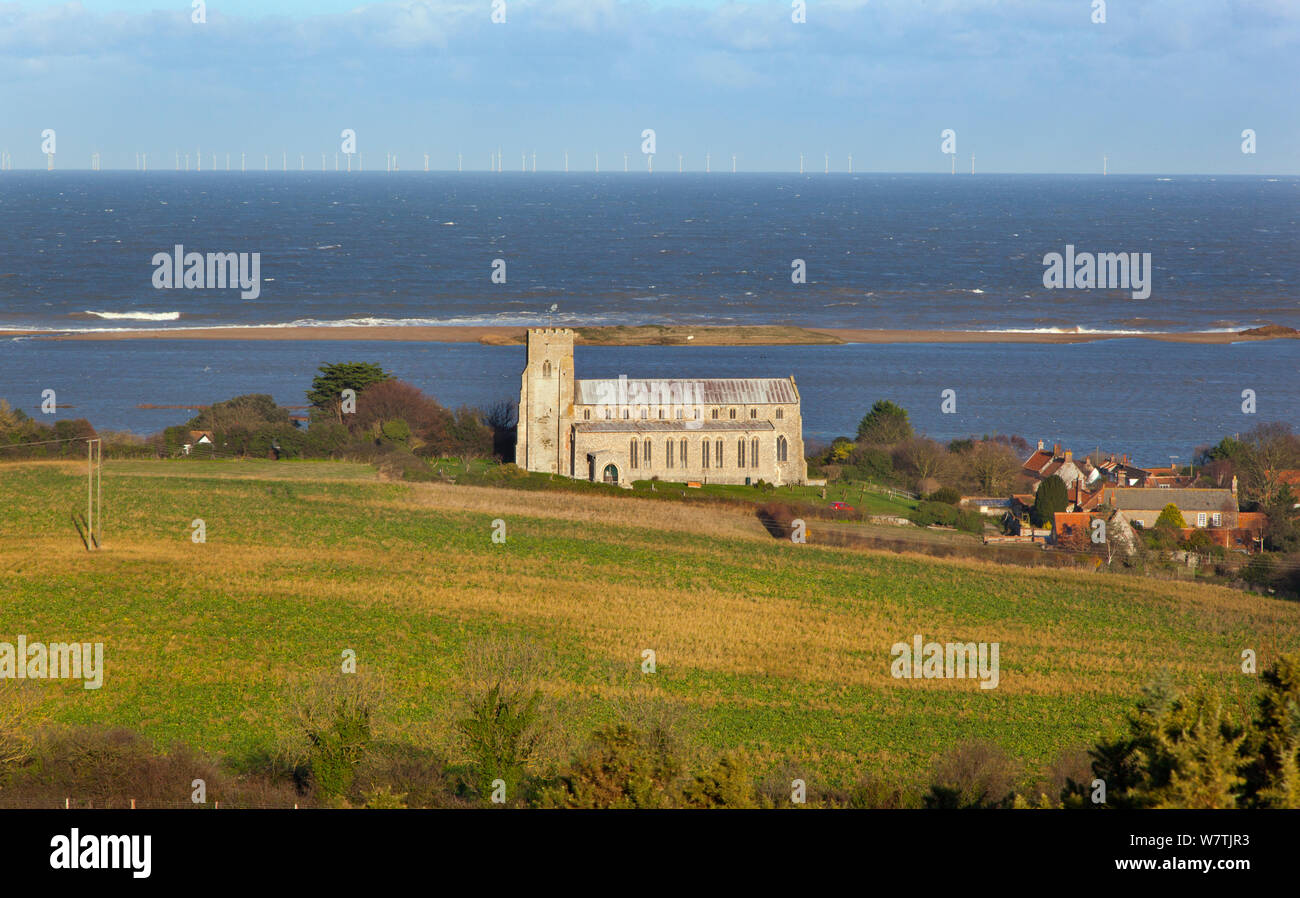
(1171, 518)
(973, 775)
(942, 514)
(946, 494)
(504, 728)
(396, 430)
(727, 784)
(623, 768)
(870, 463)
(502, 735)
(335, 719)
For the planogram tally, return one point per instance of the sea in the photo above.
(880, 251)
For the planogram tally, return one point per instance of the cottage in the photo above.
(1046, 462)
(1200, 508)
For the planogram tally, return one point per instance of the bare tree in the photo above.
(922, 458)
(992, 467)
(502, 415)
(1271, 449)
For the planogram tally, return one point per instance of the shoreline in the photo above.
(655, 335)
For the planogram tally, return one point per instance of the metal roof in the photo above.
(673, 391)
(633, 425)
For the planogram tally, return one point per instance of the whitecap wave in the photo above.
(135, 316)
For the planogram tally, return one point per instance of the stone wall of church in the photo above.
(668, 463)
(546, 402)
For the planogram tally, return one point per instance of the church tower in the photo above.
(546, 402)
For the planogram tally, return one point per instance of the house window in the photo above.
(753, 452)
(633, 462)
(609, 413)
(753, 413)
(740, 452)
(697, 414)
(683, 452)
(1200, 519)
(586, 414)
(679, 414)
(733, 414)
(1217, 519)
(546, 369)
(668, 454)
(715, 414)
(718, 447)
(780, 413)
(645, 413)
(661, 413)
(781, 448)
(626, 414)
(647, 453)
(704, 453)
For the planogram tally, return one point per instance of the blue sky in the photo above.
(1027, 85)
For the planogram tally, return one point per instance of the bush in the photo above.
(870, 463)
(973, 775)
(929, 514)
(502, 735)
(1171, 518)
(946, 495)
(396, 430)
(727, 784)
(335, 719)
(623, 768)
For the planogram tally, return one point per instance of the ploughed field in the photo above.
(780, 649)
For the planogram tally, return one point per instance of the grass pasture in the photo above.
(779, 649)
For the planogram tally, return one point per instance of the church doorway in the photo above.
(610, 474)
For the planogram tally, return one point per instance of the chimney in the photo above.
(1234, 484)
(1056, 450)
(1040, 445)
(1069, 456)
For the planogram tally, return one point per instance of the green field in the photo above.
(779, 649)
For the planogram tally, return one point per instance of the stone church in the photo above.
(618, 430)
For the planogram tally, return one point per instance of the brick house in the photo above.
(1046, 462)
